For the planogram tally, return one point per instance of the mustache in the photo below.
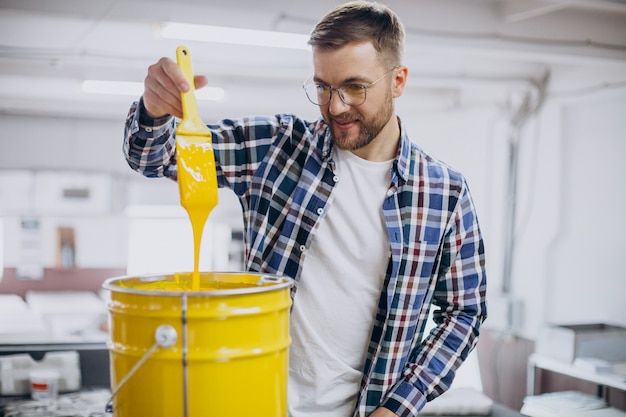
(347, 116)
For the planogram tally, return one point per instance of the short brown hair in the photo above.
(362, 21)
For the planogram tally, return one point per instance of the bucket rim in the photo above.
(277, 283)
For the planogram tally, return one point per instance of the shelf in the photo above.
(541, 362)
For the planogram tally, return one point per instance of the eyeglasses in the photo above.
(350, 94)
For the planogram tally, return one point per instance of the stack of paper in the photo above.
(18, 324)
(600, 412)
(459, 402)
(72, 316)
(561, 404)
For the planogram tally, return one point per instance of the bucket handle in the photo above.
(165, 336)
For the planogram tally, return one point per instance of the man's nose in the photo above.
(336, 106)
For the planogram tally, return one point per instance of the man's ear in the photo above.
(399, 81)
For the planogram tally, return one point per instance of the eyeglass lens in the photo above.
(350, 95)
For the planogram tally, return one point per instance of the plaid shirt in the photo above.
(281, 169)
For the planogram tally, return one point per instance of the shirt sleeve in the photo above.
(459, 296)
(240, 145)
(149, 144)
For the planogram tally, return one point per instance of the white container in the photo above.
(44, 384)
(15, 371)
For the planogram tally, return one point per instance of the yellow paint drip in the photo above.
(197, 179)
(198, 188)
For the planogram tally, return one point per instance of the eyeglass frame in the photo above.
(365, 87)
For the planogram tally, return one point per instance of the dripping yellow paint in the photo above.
(197, 178)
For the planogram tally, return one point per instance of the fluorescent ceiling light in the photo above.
(128, 88)
(205, 33)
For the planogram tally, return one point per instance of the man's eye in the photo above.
(353, 89)
(323, 88)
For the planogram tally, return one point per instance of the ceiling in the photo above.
(459, 52)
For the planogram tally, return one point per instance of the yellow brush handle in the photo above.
(191, 124)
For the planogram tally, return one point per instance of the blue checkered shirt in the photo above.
(281, 169)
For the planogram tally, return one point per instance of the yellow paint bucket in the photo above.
(220, 351)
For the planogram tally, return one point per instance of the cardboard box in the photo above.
(568, 342)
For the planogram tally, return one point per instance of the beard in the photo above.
(368, 129)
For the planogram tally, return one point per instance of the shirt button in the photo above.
(148, 129)
(320, 211)
(336, 178)
(302, 248)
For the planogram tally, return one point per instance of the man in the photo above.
(373, 230)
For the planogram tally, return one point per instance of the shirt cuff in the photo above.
(147, 121)
(405, 400)
(151, 130)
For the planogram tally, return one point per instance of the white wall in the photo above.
(592, 239)
(569, 239)
(569, 235)
(60, 145)
(569, 231)
(570, 256)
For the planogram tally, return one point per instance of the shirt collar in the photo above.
(402, 158)
(400, 165)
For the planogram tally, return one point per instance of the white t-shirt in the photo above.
(338, 293)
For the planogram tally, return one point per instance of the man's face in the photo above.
(355, 127)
